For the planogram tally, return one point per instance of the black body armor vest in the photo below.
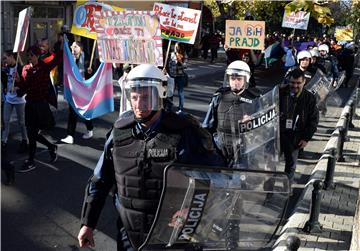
(139, 166)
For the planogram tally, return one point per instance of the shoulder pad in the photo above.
(221, 90)
(126, 119)
(255, 92)
(173, 121)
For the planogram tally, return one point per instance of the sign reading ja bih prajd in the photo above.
(245, 34)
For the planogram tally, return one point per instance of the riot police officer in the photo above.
(142, 143)
(328, 61)
(304, 62)
(234, 91)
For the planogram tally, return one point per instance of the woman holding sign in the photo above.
(177, 64)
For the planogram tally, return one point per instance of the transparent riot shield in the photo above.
(324, 88)
(319, 85)
(205, 208)
(253, 137)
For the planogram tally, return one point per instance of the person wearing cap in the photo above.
(235, 89)
(299, 117)
(142, 143)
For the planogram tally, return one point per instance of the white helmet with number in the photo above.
(324, 47)
(150, 81)
(303, 54)
(237, 69)
(314, 53)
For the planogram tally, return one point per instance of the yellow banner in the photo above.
(344, 33)
(245, 34)
(84, 23)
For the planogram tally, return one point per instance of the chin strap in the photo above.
(148, 118)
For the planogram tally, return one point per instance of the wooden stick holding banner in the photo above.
(92, 57)
(167, 55)
(15, 73)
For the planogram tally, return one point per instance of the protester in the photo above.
(38, 115)
(290, 53)
(235, 90)
(77, 51)
(252, 61)
(124, 103)
(177, 66)
(214, 46)
(12, 101)
(299, 117)
(138, 175)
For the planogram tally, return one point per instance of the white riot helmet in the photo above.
(324, 47)
(237, 70)
(148, 81)
(314, 53)
(303, 54)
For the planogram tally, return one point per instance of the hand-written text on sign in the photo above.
(177, 23)
(129, 37)
(245, 34)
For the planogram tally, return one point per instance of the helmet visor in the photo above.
(237, 80)
(143, 99)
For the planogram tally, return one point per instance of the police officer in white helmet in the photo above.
(235, 90)
(303, 59)
(141, 144)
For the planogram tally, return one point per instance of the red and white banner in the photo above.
(22, 29)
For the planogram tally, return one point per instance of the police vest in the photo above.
(326, 62)
(227, 109)
(139, 166)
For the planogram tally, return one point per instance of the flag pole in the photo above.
(167, 55)
(92, 54)
(15, 72)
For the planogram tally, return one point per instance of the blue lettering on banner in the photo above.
(80, 16)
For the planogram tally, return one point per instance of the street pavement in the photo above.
(42, 210)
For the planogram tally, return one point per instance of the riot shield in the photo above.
(320, 86)
(253, 138)
(324, 89)
(204, 208)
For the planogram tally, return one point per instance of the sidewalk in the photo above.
(338, 210)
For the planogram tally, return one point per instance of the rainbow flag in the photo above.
(90, 98)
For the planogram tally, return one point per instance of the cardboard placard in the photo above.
(296, 20)
(83, 21)
(129, 37)
(245, 34)
(178, 23)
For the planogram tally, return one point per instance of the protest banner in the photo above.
(22, 29)
(245, 34)
(129, 37)
(178, 23)
(83, 21)
(344, 33)
(296, 20)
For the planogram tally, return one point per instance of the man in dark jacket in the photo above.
(299, 117)
(142, 143)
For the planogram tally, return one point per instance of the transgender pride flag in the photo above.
(90, 98)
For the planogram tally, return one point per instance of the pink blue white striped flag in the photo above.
(90, 98)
